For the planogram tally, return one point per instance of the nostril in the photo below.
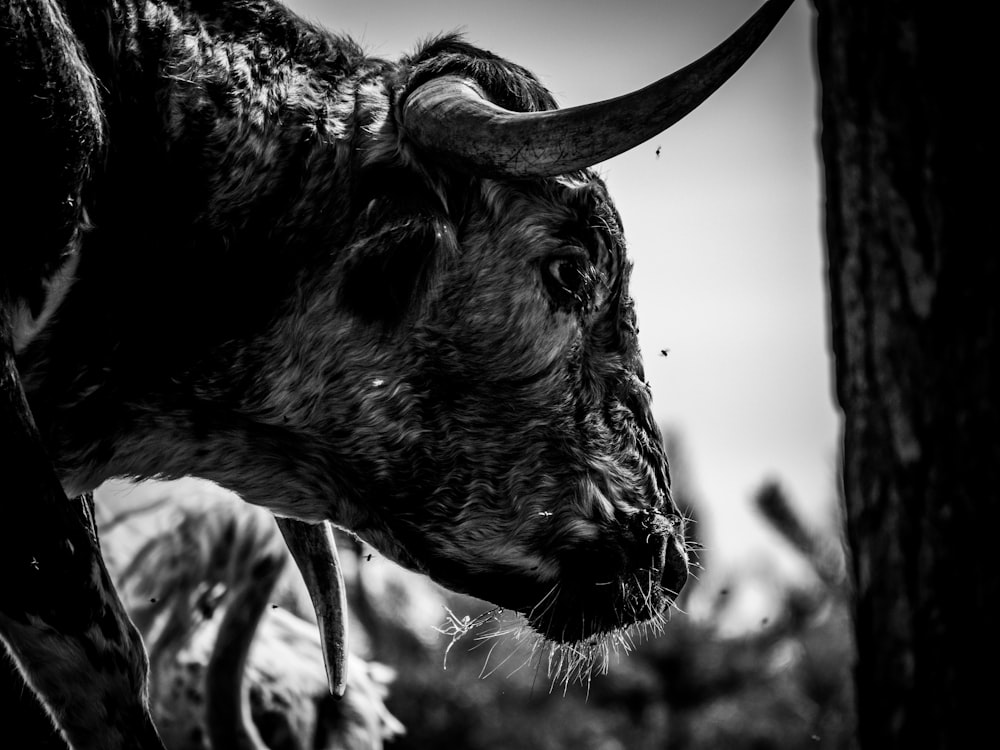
(675, 567)
(661, 536)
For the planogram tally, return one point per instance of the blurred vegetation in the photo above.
(785, 687)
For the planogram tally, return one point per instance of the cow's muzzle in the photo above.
(613, 584)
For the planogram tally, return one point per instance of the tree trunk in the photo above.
(914, 284)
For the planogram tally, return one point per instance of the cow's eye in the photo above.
(569, 280)
(567, 273)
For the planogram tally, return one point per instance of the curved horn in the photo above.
(315, 553)
(450, 116)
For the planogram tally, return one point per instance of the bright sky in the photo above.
(724, 226)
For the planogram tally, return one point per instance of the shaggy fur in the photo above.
(276, 291)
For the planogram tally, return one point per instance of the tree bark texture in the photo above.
(914, 290)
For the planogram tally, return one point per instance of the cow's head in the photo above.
(492, 423)
(504, 422)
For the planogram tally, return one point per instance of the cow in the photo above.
(389, 296)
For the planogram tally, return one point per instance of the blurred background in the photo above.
(723, 218)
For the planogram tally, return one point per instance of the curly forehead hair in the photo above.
(507, 84)
(580, 196)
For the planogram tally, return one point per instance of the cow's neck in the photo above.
(216, 197)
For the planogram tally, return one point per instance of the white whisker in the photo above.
(486, 662)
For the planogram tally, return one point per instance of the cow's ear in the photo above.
(389, 265)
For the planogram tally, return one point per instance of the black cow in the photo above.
(384, 295)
